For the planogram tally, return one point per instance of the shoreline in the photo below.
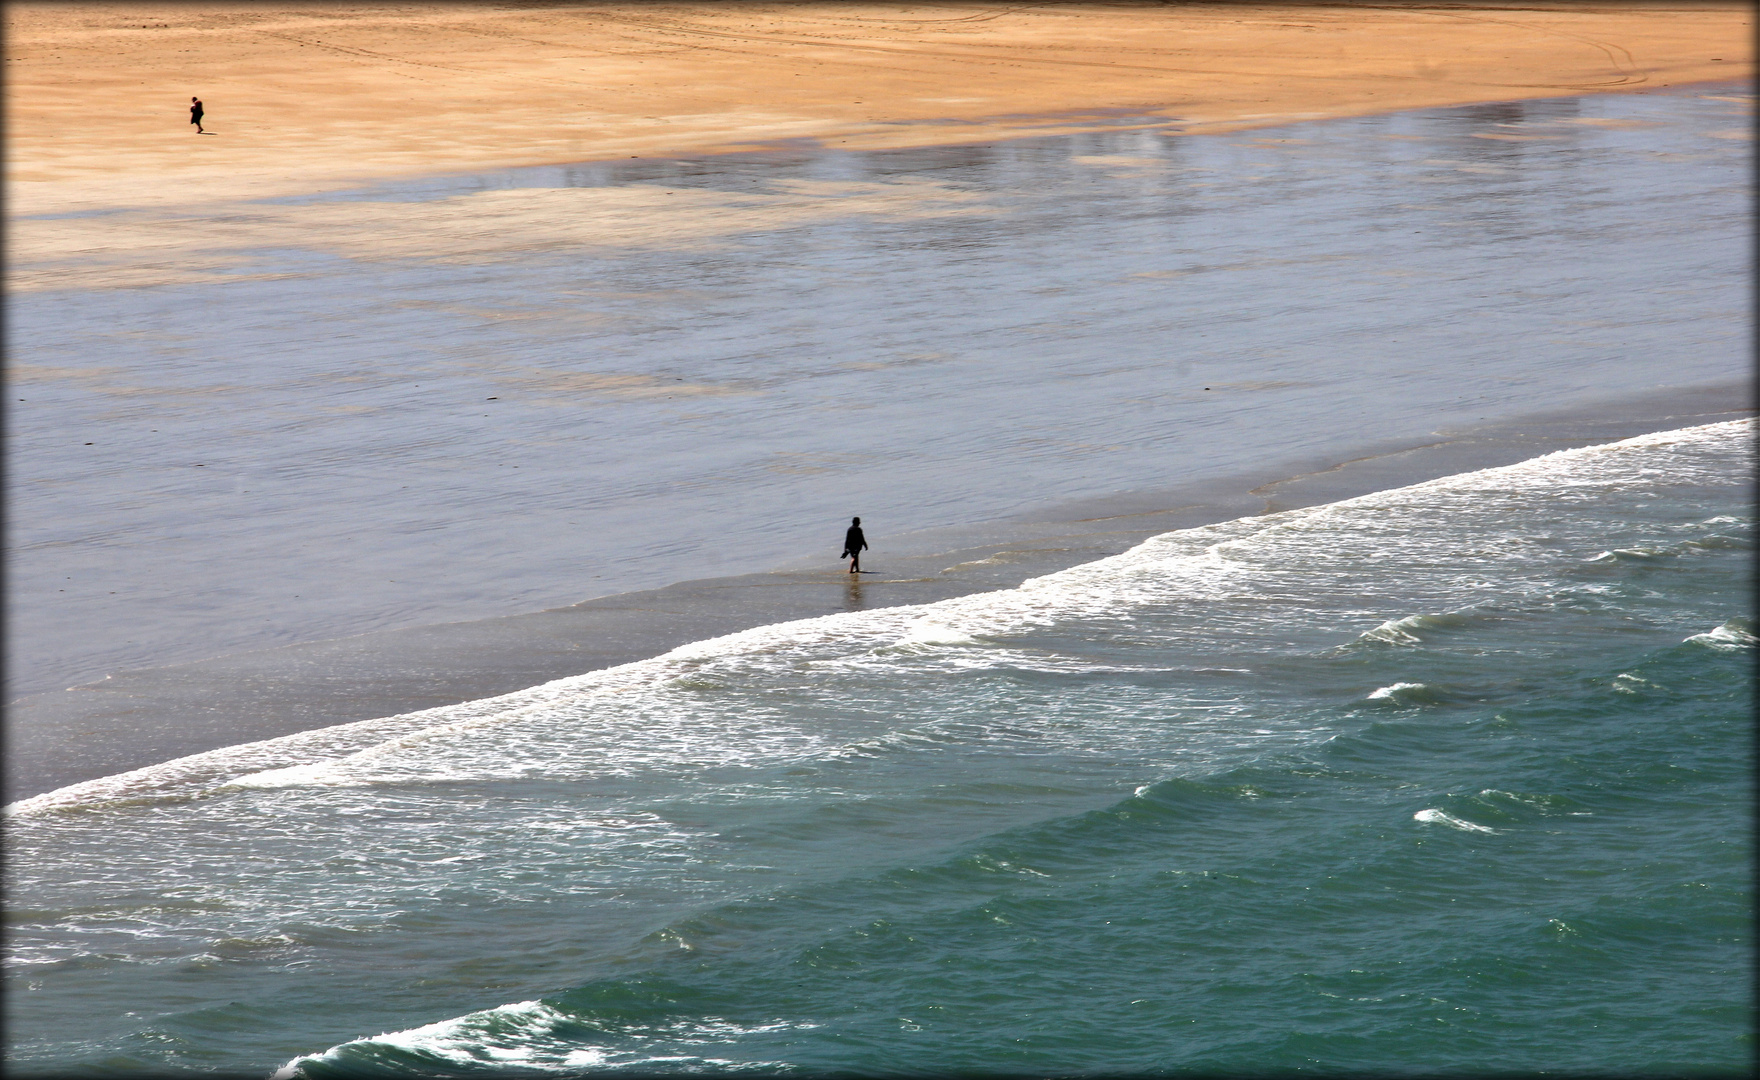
(315, 97)
(335, 104)
(144, 717)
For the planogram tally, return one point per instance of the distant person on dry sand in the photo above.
(195, 114)
(853, 543)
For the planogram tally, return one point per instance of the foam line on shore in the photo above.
(1187, 563)
(140, 718)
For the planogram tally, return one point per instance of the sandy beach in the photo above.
(307, 97)
(1305, 453)
(169, 712)
(262, 507)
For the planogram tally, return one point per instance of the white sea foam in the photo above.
(1399, 691)
(462, 1040)
(526, 1034)
(1627, 683)
(1434, 816)
(928, 631)
(1732, 635)
(1231, 569)
(1394, 632)
(797, 713)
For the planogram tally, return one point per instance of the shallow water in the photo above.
(1454, 772)
(480, 395)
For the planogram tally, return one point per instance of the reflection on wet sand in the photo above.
(152, 247)
(463, 397)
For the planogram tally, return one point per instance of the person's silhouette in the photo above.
(853, 543)
(195, 114)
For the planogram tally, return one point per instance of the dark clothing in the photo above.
(853, 542)
(195, 114)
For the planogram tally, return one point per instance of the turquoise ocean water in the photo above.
(1452, 777)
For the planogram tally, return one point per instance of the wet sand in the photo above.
(139, 718)
(306, 97)
(404, 411)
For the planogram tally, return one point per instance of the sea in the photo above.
(1453, 777)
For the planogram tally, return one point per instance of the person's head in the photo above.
(855, 521)
(195, 98)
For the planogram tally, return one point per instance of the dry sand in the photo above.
(309, 97)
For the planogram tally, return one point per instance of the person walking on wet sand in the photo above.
(853, 543)
(195, 114)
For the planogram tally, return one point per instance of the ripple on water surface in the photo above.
(1131, 815)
